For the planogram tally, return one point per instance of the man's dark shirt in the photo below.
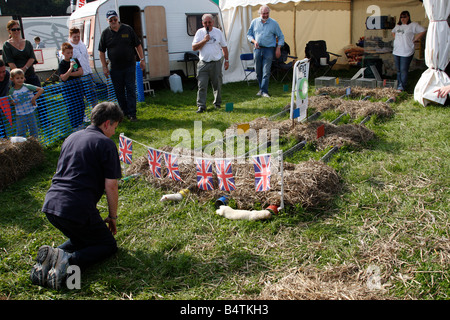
(87, 158)
(120, 46)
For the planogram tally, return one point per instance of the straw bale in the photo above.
(353, 135)
(16, 159)
(354, 108)
(309, 184)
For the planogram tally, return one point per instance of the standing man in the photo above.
(4, 89)
(267, 38)
(212, 45)
(88, 166)
(121, 43)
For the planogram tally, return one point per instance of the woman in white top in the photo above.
(405, 34)
(80, 52)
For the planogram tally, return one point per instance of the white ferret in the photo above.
(172, 197)
(233, 214)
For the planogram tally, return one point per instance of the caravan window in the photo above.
(194, 22)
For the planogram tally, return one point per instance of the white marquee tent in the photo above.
(437, 53)
(338, 22)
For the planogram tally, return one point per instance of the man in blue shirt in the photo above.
(267, 38)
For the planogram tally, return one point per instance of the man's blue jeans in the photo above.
(124, 82)
(402, 66)
(263, 63)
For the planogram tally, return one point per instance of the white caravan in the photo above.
(165, 27)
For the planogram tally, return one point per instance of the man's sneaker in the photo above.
(265, 95)
(201, 109)
(259, 93)
(57, 274)
(40, 270)
(132, 118)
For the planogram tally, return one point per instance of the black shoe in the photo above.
(200, 110)
(217, 106)
(133, 118)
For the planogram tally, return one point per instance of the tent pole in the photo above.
(351, 22)
(295, 27)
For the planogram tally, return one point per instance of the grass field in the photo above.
(385, 236)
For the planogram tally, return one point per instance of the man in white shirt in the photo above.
(212, 45)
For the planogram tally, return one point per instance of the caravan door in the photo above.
(157, 43)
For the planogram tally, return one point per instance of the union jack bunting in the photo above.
(225, 175)
(125, 149)
(172, 166)
(262, 172)
(154, 161)
(204, 174)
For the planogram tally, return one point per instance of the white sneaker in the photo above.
(259, 93)
(265, 95)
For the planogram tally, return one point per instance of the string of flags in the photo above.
(204, 167)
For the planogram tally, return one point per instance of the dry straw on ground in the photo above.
(16, 159)
(358, 92)
(345, 282)
(354, 135)
(354, 108)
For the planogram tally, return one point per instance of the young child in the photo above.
(23, 97)
(70, 72)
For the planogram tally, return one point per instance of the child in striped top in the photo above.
(23, 97)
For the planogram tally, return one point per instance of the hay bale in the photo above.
(16, 159)
(354, 108)
(358, 92)
(353, 135)
(310, 184)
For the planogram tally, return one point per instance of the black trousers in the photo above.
(88, 243)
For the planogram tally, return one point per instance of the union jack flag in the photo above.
(225, 175)
(172, 166)
(125, 149)
(154, 161)
(204, 174)
(262, 172)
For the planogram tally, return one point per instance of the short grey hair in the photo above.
(206, 15)
(263, 7)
